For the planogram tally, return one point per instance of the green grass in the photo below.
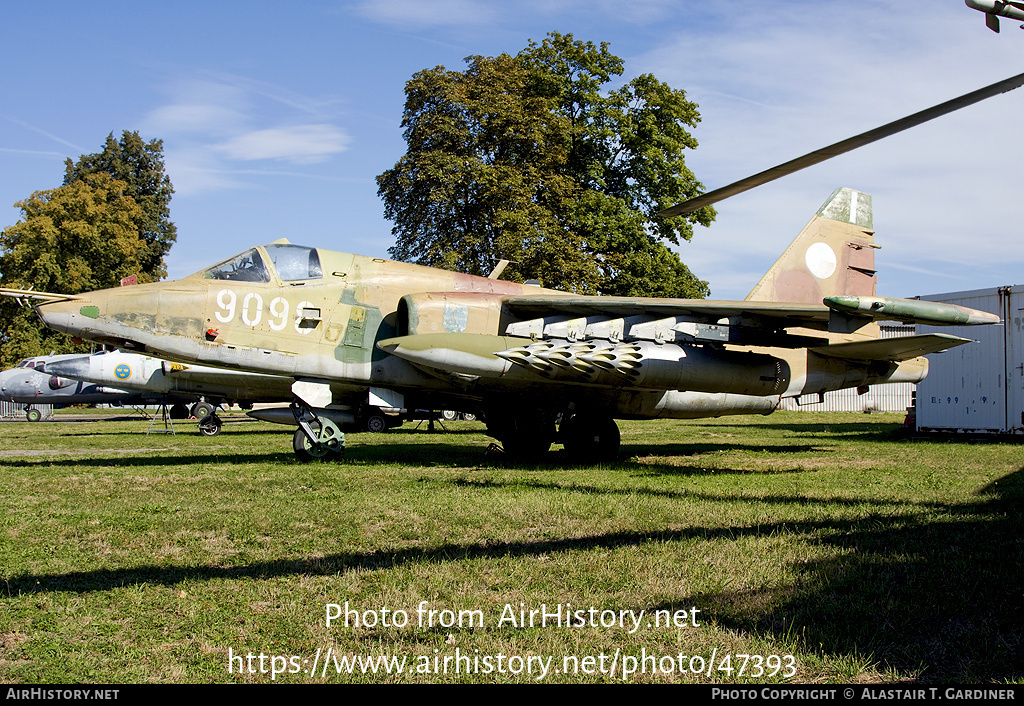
(867, 557)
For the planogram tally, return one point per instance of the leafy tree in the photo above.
(79, 237)
(140, 166)
(525, 158)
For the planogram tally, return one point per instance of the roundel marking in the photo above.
(123, 371)
(821, 260)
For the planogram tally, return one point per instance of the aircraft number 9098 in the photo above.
(251, 310)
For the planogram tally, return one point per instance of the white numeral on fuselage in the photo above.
(228, 306)
(252, 319)
(252, 311)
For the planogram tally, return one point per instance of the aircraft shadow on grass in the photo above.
(951, 612)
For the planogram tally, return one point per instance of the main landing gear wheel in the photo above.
(525, 434)
(590, 439)
(178, 411)
(202, 410)
(33, 415)
(376, 423)
(329, 437)
(210, 426)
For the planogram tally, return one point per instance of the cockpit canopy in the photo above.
(291, 262)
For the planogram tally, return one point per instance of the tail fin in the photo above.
(834, 254)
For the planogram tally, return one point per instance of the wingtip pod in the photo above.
(909, 310)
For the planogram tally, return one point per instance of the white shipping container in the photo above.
(977, 387)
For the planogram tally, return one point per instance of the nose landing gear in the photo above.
(317, 437)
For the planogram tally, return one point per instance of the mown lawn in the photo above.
(798, 547)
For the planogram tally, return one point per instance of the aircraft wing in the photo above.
(894, 349)
(842, 314)
(779, 315)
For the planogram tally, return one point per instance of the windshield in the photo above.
(294, 262)
(247, 267)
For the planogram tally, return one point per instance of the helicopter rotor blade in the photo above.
(842, 147)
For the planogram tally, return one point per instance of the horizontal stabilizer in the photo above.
(894, 349)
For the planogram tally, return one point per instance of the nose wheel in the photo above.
(210, 425)
(317, 437)
(202, 410)
(328, 441)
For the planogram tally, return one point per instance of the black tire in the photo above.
(210, 426)
(332, 442)
(525, 434)
(468, 417)
(449, 415)
(33, 415)
(376, 423)
(202, 410)
(591, 439)
(178, 411)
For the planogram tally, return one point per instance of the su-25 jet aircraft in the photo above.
(542, 365)
(354, 331)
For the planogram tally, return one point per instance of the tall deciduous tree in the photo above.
(79, 237)
(140, 165)
(525, 158)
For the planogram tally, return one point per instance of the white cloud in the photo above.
(213, 122)
(432, 13)
(185, 118)
(302, 144)
(194, 170)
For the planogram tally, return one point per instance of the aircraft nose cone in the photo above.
(5, 378)
(14, 384)
(61, 316)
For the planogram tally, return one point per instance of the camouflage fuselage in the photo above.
(328, 328)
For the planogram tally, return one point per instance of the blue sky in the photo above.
(276, 118)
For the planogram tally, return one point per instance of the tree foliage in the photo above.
(527, 158)
(140, 165)
(79, 237)
(109, 220)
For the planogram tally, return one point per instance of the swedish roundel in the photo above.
(123, 371)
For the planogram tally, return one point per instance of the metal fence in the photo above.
(16, 410)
